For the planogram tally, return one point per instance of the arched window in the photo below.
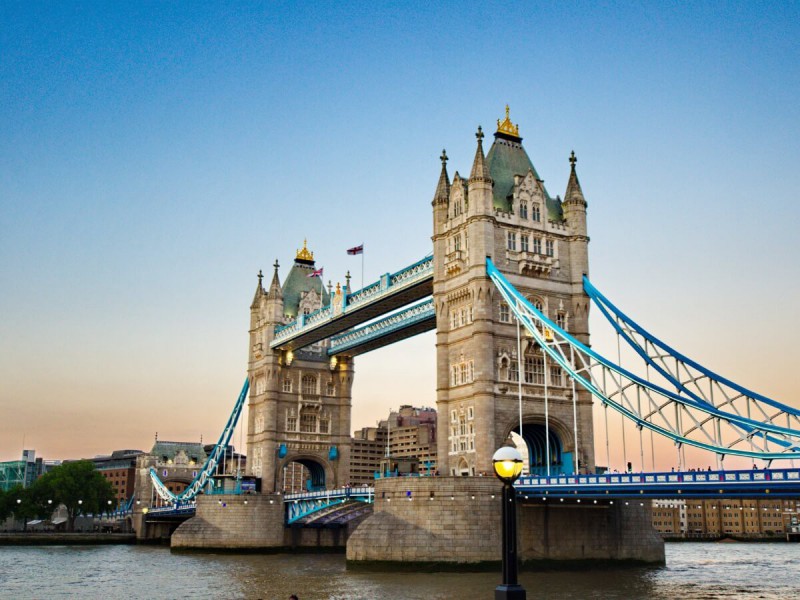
(309, 384)
(536, 213)
(330, 389)
(523, 210)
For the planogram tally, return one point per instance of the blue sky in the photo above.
(154, 157)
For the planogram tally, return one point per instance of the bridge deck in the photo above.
(691, 484)
(392, 291)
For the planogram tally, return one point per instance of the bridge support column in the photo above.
(455, 522)
(247, 521)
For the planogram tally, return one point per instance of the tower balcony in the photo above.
(534, 263)
(454, 262)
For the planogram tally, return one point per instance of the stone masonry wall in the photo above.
(451, 527)
(461, 524)
(233, 521)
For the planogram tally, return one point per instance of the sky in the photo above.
(154, 156)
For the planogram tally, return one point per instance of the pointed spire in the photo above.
(443, 187)
(275, 286)
(259, 290)
(574, 192)
(480, 172)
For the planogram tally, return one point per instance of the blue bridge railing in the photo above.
(750, 483)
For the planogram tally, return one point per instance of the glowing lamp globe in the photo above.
(507, 463)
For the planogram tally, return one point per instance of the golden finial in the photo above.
(304, 254)
(507, 126)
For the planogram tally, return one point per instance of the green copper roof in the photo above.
(507, 158)
(298, 284)
(168, 450)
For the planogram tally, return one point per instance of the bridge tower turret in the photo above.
(575, 215)
(505, 212)
(299, 405)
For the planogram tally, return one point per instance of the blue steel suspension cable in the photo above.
(211, 461)
(513, 297)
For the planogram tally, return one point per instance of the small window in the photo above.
(324, 425)
(330, 389)
(470, 410)
(549, 247)
(523, 241)
(505, 313)
(556, 377)
(536, 214)
(453, 416)
(561, 319)
(537, 245)
(511, 240)
(457, 243)
(291, 423)
(287, 385)
(523, 210)
(513, 371)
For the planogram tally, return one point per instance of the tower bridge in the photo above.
(507, 290)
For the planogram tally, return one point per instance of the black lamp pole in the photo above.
(507, 463)
(510, 588)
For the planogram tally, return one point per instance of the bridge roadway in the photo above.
(391, 292)
(766, 483)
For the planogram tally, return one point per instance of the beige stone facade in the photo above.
(299, 404)
(540, 243)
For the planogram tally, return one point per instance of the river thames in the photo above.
(706, 571)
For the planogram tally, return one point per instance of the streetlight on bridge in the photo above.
(507, 463)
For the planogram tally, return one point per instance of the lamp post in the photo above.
(507, 463)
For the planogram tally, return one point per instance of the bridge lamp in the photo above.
(507, 463)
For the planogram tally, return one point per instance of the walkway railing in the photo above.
(755, 483)
(391, 324)
(388, 285)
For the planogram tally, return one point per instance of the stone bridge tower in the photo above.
(540, 243)
(299, 405)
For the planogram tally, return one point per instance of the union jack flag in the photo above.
(315, 273)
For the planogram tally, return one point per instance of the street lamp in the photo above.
(507, 463)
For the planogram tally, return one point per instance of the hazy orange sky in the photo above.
(152, 161)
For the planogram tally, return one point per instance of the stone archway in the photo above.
(536, 435)
(462, 469)
(317, 474)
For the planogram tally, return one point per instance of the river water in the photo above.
(707, 571)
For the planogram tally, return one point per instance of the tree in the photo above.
(21, 504)
(5, 509)
(78, 486)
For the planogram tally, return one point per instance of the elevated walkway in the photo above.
(391, 292)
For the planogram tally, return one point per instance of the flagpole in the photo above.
(362, 265)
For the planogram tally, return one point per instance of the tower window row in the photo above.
(529, 243)
(461, 373)
(534, 372)
(461, 317)
(308, 385)
(536, 211)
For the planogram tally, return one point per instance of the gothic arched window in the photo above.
(523, 210)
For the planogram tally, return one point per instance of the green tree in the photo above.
(5, 509)
(78, 486)
(22, 505)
